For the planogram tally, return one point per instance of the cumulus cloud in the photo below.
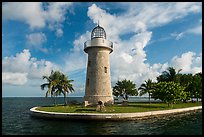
(128, 59)
(18, 63)
(132, 56)
(18, 69)
(139, 17)
(29, 12)
(160, 13)
(189, 62)
(36, 40)
(14, 78)
(131, 51)
(37, 14)
(38, 68)
(56, 12)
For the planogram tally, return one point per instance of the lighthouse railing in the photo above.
(99, 42)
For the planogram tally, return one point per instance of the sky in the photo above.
(148, 37)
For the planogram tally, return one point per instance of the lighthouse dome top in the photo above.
(98, 32)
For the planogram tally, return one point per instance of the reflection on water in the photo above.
(181, 124)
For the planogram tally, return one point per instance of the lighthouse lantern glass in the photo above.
(98, 32)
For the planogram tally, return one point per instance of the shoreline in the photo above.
(109, 116)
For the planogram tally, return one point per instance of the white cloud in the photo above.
(56, 11)
(38, 68)
(29, 12)
(188, 62)
(79, 43)
(14, 78)
(55, 15)
(161, 13)
(128, 57)
(131, 51)
(36, 40)
(16, 70)
(178, 36)
(37, 14)
(19, 63)
(196, 30)
(59, 33)
(139, 16)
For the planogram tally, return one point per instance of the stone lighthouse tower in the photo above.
(98, 81)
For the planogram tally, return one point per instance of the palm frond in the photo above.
(44, 85)
(142, 92)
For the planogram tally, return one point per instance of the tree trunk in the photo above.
(54, 100)
(125, 101)
(65, 99)
(126, 97)
(149, 99)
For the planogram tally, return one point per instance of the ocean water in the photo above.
(16, 120)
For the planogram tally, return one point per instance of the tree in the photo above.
(195, 86)
(169, 92)
(51, 85)
(64, 86)
(168, 75)
(146, 87)
(125, 88)
(185, 80)
(199, 87)
(57, 83)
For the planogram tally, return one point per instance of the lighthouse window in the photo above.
(105, 69)
(88, 82)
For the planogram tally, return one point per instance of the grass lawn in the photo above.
(117, 108)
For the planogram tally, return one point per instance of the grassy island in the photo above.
(117, 108)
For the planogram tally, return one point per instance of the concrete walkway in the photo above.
(108, 116)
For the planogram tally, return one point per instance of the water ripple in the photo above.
(17, 121)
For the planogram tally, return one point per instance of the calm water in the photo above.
(17, 121)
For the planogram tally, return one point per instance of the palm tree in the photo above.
(146, 87)
(168, 75)
(51, 85)
(64, 86)
(57, 83)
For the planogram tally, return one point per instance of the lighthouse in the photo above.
(98, 80)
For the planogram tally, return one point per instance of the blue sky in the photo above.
(148, 37)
